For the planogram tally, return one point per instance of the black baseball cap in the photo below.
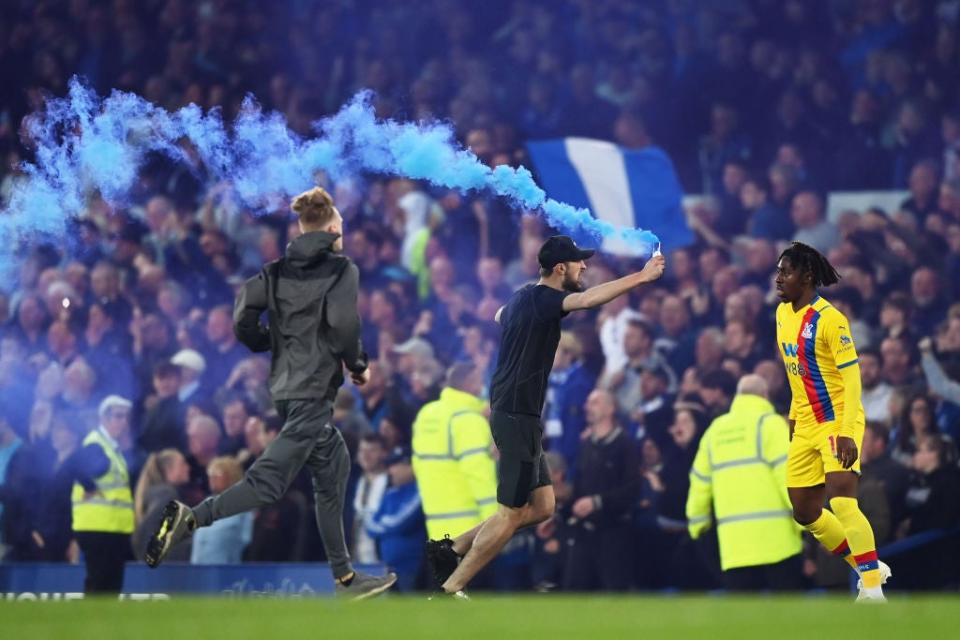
(559, 249)
(400, 454)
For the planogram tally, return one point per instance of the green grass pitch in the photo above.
(584, 617)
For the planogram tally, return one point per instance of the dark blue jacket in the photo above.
(567, 394)
(400, 531)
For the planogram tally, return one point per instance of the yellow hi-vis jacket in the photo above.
(110, 509)
(455, 472)
(740, 468)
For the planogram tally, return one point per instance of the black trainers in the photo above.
(443, 560)
(363, 586)
(178, 522)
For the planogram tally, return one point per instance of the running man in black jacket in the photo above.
(310, 296)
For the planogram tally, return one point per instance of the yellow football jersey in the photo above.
(816, 344)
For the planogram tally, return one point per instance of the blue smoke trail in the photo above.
(86, 144)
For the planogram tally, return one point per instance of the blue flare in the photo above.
(87, 144)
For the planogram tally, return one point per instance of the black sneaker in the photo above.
(178, 522)
(443, 560)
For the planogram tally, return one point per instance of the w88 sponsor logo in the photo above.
(791, 351)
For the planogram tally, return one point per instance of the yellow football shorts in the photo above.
(813, 453)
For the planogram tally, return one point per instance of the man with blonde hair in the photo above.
(310, 295)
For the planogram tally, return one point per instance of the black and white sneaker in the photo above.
(443, 560)
(178, 522)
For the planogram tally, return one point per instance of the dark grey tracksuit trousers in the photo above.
(308, 438)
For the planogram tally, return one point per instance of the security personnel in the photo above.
(456, 474)
(102, 501)
(740, 471)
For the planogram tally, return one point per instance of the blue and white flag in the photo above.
(627, 187)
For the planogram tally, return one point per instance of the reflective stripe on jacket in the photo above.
(740, 471)
(110, 508)
(456, 475)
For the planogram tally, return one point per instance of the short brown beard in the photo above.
(571, 285)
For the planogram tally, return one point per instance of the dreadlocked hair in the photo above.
(805, 258)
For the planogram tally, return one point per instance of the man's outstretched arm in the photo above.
(604, 293)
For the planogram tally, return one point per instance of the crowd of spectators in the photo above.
(765, 106)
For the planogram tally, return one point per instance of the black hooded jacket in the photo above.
(311, 297)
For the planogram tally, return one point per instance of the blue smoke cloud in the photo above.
(87, 144)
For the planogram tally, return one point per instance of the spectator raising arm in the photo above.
(940, 384)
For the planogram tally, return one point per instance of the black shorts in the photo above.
(522, 466)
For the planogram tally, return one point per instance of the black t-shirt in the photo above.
(531, 333)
